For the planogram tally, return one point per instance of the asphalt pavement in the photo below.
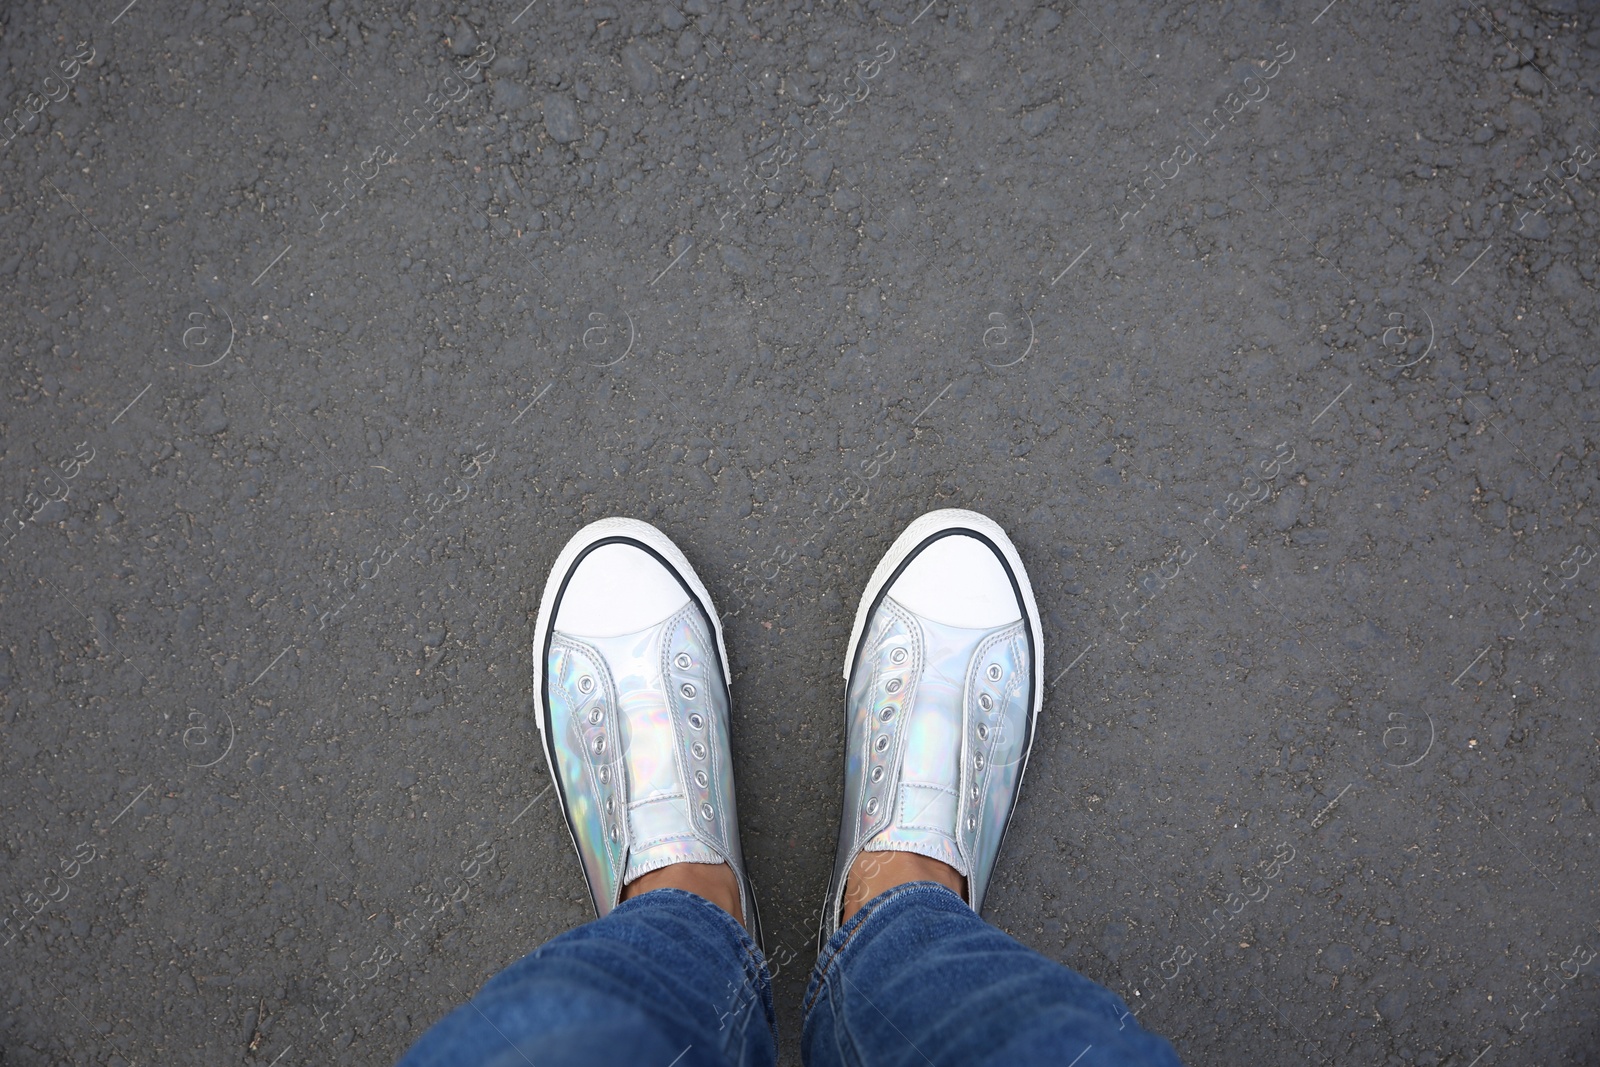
(1266, 329)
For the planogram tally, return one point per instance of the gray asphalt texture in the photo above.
(1265, 329)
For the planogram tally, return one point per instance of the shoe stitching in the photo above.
(894, 614)
(1012, 636)
(688, 616)
(575, 648)
(889, 614)
(907, 819)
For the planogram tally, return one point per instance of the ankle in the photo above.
(714, 881)
(877, 872)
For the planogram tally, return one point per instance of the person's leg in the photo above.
(943, 686)
(631, 691)
(916, 977)
(665, 978)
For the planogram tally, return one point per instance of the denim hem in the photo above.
(700, 902)
(840, 941)
(755, 960)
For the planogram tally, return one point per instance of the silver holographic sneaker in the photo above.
(943, 686)
(631, 682)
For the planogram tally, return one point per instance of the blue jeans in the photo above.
(669, 979)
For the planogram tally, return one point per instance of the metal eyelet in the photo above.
(683, 661)
(599, 743)
(877, 774)
(976, 792)
(887, 713)
(611, 805)
(612, 831)
(994, 672)
(586, 684)
(605, 775)
(688, 690)
(700, 779)
(985, 701)
(972, 823)
(897, 656)
(893, 686)
(697, 750)
(872, 806)
(977, 762)
(707, 812)
(882, 742)
(983, 731)
(695, 721)
(596, 713)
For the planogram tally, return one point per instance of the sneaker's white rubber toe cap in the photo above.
(618, 589)
(958, 581)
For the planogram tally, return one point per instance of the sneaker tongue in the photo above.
(933, 844)
(926, 809)
(659, 827)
